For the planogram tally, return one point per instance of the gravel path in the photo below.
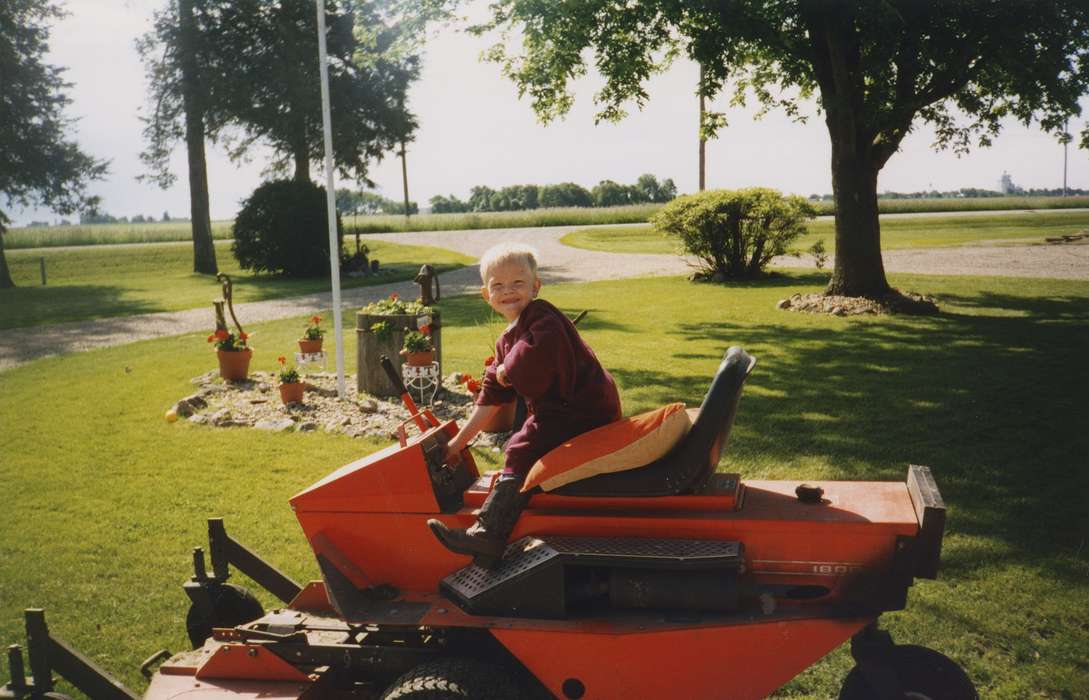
(561, 264)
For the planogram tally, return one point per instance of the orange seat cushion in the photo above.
(625, 444)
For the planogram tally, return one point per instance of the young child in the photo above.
(541, 358)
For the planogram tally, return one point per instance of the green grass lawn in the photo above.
(921, 232)
(104, 500)
(107, 281)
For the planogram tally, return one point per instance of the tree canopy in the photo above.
(39, 163)
(876, 68)
(258, 61)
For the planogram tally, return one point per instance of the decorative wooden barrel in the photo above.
(371, 378)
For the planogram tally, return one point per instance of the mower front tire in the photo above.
(923, 674)
(454, 679)
(231, 606)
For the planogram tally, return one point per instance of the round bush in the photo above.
(735, 233)
(283, 229)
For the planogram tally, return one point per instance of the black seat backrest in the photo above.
(690, 464)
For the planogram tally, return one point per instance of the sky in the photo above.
(474, 130)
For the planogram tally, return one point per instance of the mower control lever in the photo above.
(413, 412)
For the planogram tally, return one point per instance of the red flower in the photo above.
(244, 336)
(282, 360)
(221, 334)
(473, 386)
(315, 320)
(425, 329)
(393, 296)
(489, 360)
(211, 338)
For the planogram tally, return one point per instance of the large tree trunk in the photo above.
(859, 270)
(302, 165)
(703, 142)
(204, 252)
(404, 177)
(837, 60)
(6, 282)
(299, 151)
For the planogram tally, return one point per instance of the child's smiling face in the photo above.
(510, 287)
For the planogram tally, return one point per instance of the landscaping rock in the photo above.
(275, 425)
(205, 378)
(249, 404)
(320, 390)
(183, 409)
(195, 401)
(220, 417)
(895, 302)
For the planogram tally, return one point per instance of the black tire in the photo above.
(454, 679)
(231, 606)
(923, 674)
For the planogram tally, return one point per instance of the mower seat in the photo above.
(689, 465)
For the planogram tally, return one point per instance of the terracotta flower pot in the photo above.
(419, 359)
(309, 346)
(502, 421)
(234, 366)
(292, 392)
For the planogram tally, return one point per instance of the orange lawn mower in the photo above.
(664, 580)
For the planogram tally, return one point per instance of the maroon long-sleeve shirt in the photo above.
(567, 391)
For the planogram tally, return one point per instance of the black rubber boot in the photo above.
(486, 539)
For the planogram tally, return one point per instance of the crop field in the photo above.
(99, 234)
(106, 234)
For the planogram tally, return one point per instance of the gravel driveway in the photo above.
(560, 264)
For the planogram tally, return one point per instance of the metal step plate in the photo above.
(532, 578)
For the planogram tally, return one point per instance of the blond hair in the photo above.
(509, 251)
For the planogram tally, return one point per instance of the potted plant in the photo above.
(418, 350)
(233, 352)
(291, 387)
(381, 327)
(312, 337)
(502, 421)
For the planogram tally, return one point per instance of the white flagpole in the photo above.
(330, 198)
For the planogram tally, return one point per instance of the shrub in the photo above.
(734, 233)
(283, 228)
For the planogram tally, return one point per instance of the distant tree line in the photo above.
(606, 193)
(93, 216)
(966, 192)
(365, 203)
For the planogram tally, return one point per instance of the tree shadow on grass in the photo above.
(32, 306)
(777, 279)
(1055, 308)
(992, 404)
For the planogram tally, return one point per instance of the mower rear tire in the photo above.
(923, 674)
(454, 679)
(231, 606)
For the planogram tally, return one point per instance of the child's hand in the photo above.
(501, 376)
(453, 454)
